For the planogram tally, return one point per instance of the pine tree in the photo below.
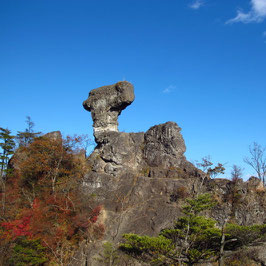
(193, 239)
(26, 137)
(7, 145)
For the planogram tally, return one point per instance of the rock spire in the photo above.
(106, 104)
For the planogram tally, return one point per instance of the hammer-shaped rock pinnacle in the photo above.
(106, 103)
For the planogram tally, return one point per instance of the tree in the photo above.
(257, 160)
(26, 137)
(7, 146)
(206, 164)
(236, 173)
(28, 252)
(218, 169)
(46, 160)
(78, 143)
(193, 239)
(44, 202)
(109, 256)
(196, 236)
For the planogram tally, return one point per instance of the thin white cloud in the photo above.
(264, 34)
(257, 13)
(197, 4)
(169, 89)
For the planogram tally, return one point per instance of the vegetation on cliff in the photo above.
(44, 218)
(52, 196)
(193, 239)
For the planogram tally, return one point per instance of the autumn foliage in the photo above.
(43, 203)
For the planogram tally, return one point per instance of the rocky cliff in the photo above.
(142, 179)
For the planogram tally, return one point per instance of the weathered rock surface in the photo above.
(118, 152)
(151, 153)
(54, 136)
(142, 179)
(106, 104)
(137, 203)
(164, 145)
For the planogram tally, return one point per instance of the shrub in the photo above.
(179, 193)
(28, 252)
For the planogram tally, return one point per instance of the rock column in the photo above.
(106, 104)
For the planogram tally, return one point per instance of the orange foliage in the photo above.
(44, 201)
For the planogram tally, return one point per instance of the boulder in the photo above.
(106, 104)
(164, 145)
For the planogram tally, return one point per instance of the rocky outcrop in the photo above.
(142, 179)
(150, 153)
(106, 104)
(164, 145)
(54, 136)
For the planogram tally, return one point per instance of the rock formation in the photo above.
(106, 104)
(165, 145)
(162, 146)
(141, 179)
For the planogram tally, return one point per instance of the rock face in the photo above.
(106, 104)
(55, 136)
(150, 153)
(162, 146)
(142, 179)
(165, 145)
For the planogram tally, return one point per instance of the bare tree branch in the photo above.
(257, 160)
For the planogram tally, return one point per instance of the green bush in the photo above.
(193, 239)
(27, 252)
(245, 234)
(139, 244)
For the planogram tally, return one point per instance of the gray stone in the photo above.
(54, 136)
(118, 152)
(164, 145)
(142, 180)
(106, 103)
(148, 154)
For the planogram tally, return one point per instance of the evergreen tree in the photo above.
(193, 239)
(7, 146)
(28, 252)
(26, 137)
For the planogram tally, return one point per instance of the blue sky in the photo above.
(201, 64)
